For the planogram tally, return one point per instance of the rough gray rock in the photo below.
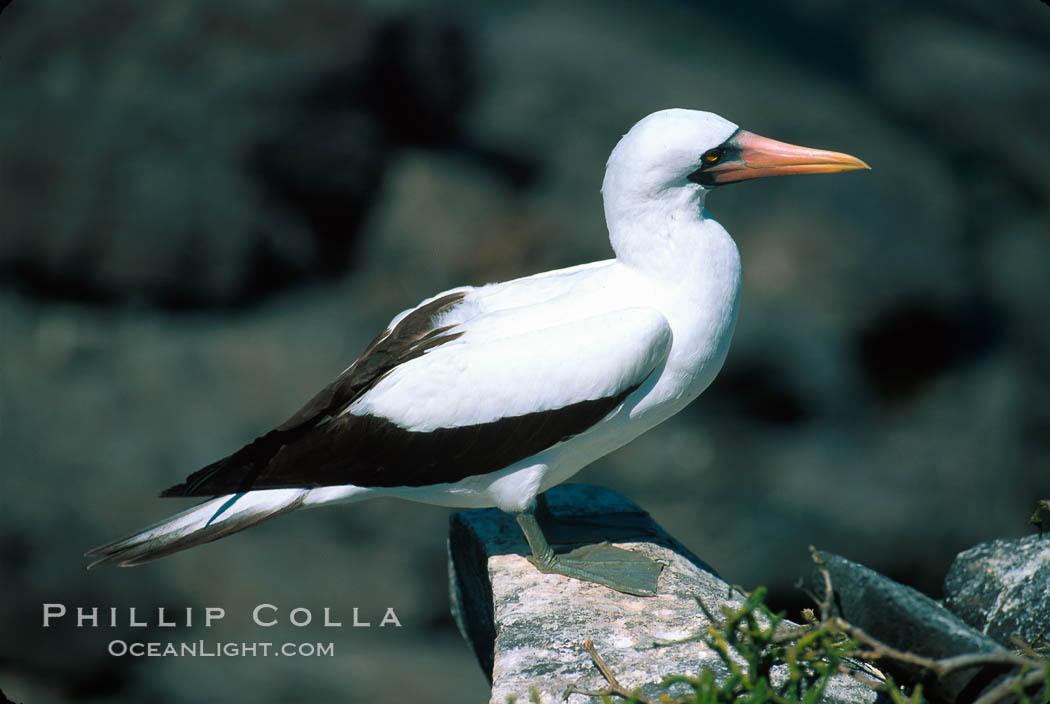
(528, 628)
(158, 158)
(1002, 588)
(908, 620)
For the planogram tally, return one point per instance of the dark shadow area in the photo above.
(759, 390)
(907, 345)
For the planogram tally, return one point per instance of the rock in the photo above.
(210, 155)
(908, 620)
(527, 628)
(1002, 588)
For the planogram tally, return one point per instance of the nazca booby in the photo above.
(489, 395)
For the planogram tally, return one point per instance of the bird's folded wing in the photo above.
(470, 406)
(475, 381)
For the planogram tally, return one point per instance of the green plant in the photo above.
(769, 660)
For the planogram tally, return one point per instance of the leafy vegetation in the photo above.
(769, 660)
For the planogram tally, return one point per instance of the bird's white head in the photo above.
(661, 170)
(661, 151)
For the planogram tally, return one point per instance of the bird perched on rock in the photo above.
(489, 395)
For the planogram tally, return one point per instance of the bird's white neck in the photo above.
(693, 267)
(671, 237)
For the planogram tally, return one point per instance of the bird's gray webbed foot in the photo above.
(622, 570)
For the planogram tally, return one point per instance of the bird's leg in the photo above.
(623, 570)
(542, 553)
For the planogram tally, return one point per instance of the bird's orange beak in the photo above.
(747, 155)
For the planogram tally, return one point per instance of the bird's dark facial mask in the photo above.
(746, 155)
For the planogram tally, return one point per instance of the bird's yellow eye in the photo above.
(712, 156)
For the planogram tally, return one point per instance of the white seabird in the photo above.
(490, 395)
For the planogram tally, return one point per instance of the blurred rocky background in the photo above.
(207, 209)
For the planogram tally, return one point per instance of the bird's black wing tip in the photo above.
(175, 492)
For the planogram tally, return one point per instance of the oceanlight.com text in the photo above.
(217, 649)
